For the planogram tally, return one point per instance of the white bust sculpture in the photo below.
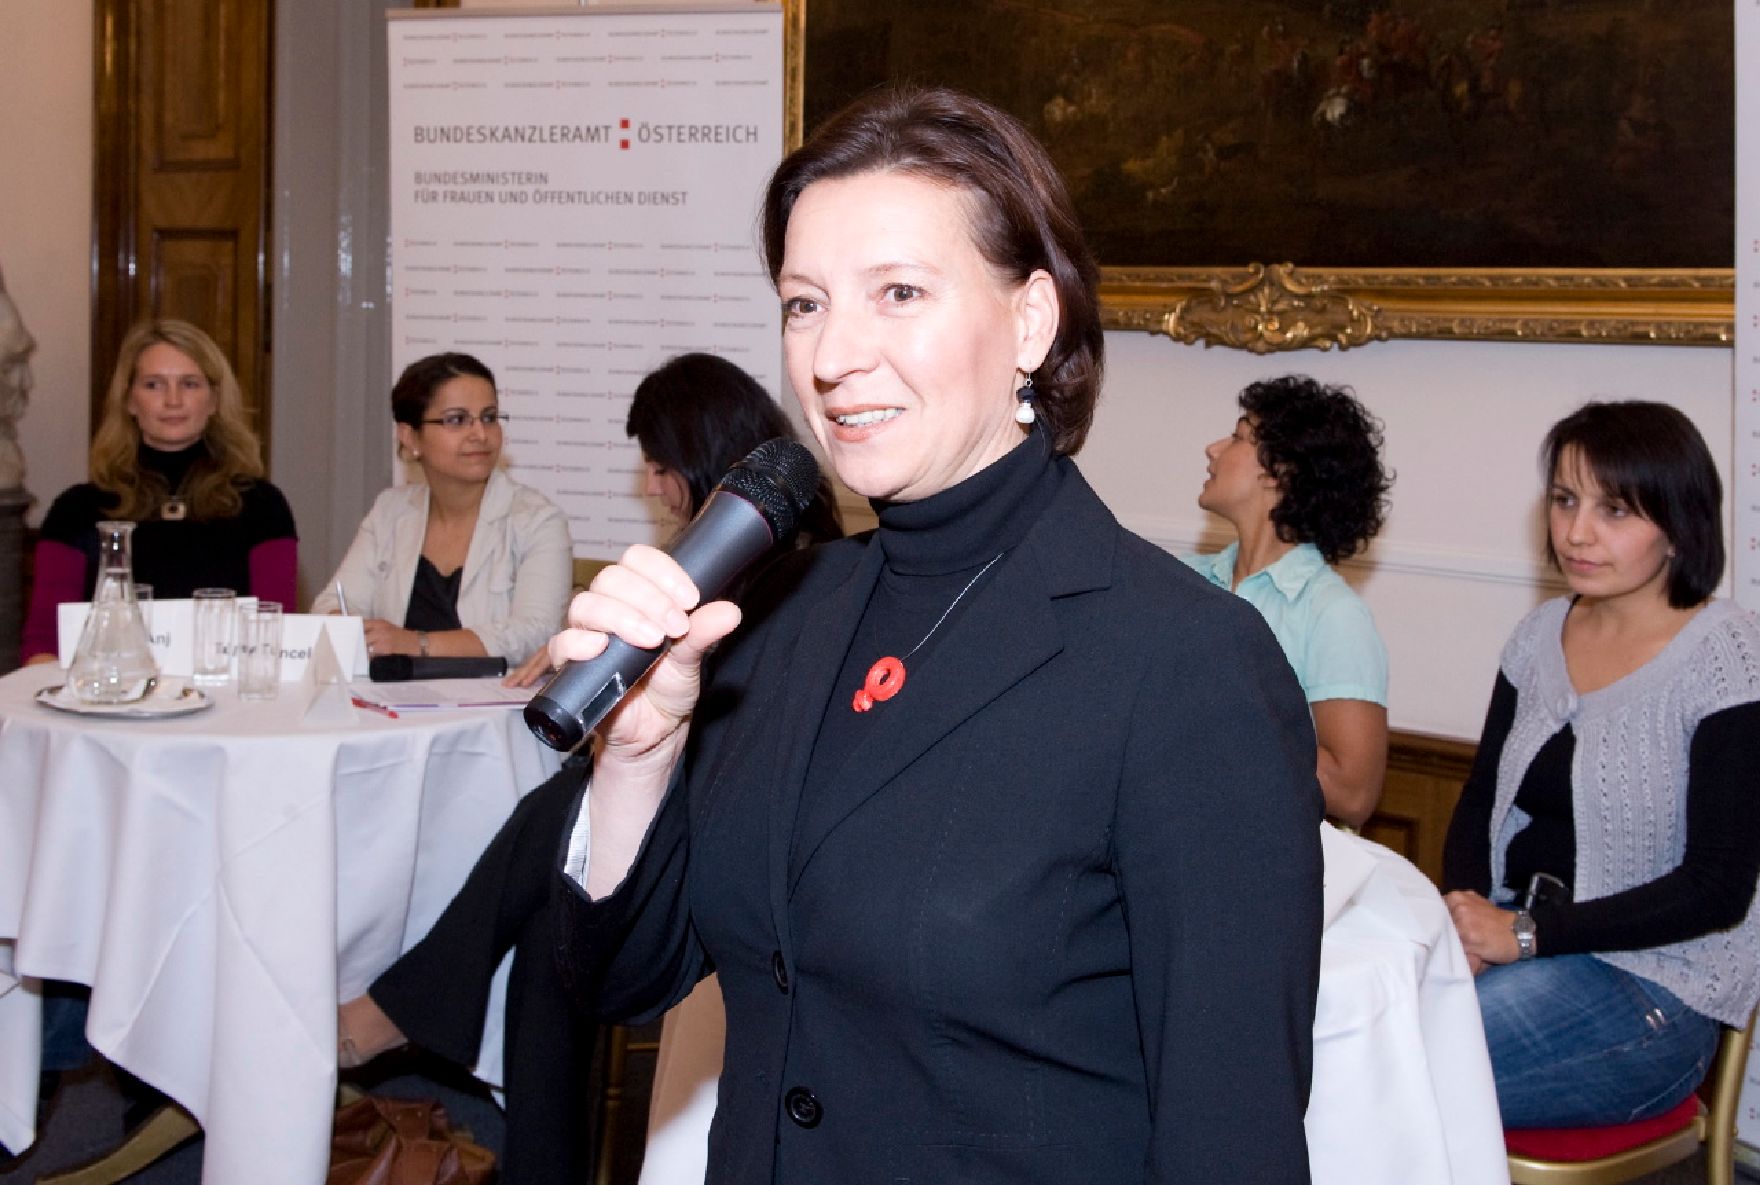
(16, 345)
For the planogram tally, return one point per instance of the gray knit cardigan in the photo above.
(1629, 781)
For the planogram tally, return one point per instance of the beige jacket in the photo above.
(517, 573)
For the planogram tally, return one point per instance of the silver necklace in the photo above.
(886, 677)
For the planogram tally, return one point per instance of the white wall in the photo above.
(1460, 560)
(45, 224)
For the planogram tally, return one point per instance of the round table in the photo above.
(221, 880)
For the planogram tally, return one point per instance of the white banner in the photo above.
(574, 199)
(1745, 467)
(1745, 464)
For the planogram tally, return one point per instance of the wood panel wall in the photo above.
(1424, 778)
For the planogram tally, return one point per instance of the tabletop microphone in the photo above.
(755, 507)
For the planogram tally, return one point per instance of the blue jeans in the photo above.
(1576, 1042)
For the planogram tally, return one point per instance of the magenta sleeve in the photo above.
(275, 571)
(60, 577)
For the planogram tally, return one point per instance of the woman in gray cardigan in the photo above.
(1604, 854)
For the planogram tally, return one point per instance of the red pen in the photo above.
(370, 706)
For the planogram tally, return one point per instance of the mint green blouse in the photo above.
(1323, 626)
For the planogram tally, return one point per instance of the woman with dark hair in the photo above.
(175, 453)
(466, 561)
(1604, 853)
(1300, 479)
(694, 417)
(998, 824)
(701, 414)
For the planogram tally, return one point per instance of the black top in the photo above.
(1061, 895)
(1709, 890)
(433, 599)
(175, 557)
(933, 547)
(1549, 841)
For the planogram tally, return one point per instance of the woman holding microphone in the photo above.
(999, 824)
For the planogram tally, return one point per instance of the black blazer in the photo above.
(1062, 924)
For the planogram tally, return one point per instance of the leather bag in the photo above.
(379, 1141)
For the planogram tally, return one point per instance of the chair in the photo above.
(1626, 1151)
(617, 1097)
(165, 1131)
(585, 570)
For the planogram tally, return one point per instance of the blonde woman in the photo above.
(175, 454)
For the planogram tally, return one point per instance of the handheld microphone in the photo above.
(755, 507)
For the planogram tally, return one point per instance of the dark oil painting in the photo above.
(1435, 134)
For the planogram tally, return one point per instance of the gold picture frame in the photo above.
(1270, 306)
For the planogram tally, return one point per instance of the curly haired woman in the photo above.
(1301, 481)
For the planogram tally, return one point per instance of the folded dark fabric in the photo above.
(401, 668)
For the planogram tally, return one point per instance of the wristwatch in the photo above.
(422, 642)
(1524, 931)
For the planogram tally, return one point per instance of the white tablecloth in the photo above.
(1402, 1092)
(221, 881)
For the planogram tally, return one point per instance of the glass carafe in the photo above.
(114, 661)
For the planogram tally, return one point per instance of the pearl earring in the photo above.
(1024, 413)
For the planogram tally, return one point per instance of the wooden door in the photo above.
(182, 179)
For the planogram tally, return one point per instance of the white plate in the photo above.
(170, 698)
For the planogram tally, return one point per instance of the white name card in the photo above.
(299, 633)
(172, 630)
(170, 625)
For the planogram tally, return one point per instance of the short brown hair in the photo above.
(414, 391)
(1022, 220)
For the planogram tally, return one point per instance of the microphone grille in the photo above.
(779, 477)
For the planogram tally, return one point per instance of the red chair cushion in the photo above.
(1574, 1144)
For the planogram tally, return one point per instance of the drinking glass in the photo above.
(259, 651)
(214, 618)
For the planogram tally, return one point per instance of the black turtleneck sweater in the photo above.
(175, 557)
(933, 548)
(253, 551)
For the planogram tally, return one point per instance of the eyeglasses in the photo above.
(458, 419)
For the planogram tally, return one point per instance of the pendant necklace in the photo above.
(175, 507)
(886, 677)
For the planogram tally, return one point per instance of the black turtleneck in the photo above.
(933, 549)
(175, 557)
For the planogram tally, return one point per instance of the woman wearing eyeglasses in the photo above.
(467, 561)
